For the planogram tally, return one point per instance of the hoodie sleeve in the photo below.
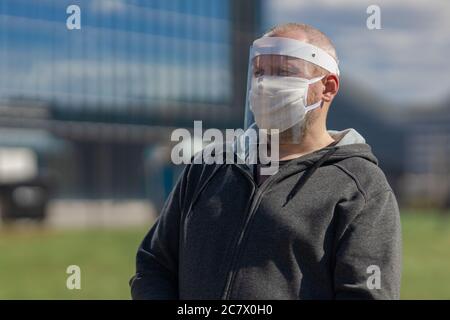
(157, 257)
(368, 255)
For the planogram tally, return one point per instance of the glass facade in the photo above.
(129, 57)
(114, 89)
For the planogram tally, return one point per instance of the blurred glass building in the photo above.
(108, 95)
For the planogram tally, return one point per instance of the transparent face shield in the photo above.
(280, 73)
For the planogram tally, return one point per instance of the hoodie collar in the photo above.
(350, 144)
(346, 137)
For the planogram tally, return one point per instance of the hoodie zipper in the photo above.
(254, 202)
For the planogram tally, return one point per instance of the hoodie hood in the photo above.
(350, 144)
(347, 136)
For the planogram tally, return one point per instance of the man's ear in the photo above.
(331, 83)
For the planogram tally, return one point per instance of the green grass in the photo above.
(33, 261)
(426, 256)
(33, 264)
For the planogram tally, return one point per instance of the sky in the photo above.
(406, 61)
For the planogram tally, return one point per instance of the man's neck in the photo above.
(310, 142)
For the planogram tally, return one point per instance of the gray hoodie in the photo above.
(326, 226)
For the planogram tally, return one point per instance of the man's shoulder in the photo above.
(368, 176)
(205, 163)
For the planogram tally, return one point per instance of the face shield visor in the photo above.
(280, 72)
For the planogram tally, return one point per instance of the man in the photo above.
(325, 226)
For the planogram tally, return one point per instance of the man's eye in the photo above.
(284, 72)
(258, 73)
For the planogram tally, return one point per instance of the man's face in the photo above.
(285, 66)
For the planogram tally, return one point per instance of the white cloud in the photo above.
(108, 6)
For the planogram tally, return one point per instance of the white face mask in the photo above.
(280, 102)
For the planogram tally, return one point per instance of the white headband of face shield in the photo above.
(295, 48)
